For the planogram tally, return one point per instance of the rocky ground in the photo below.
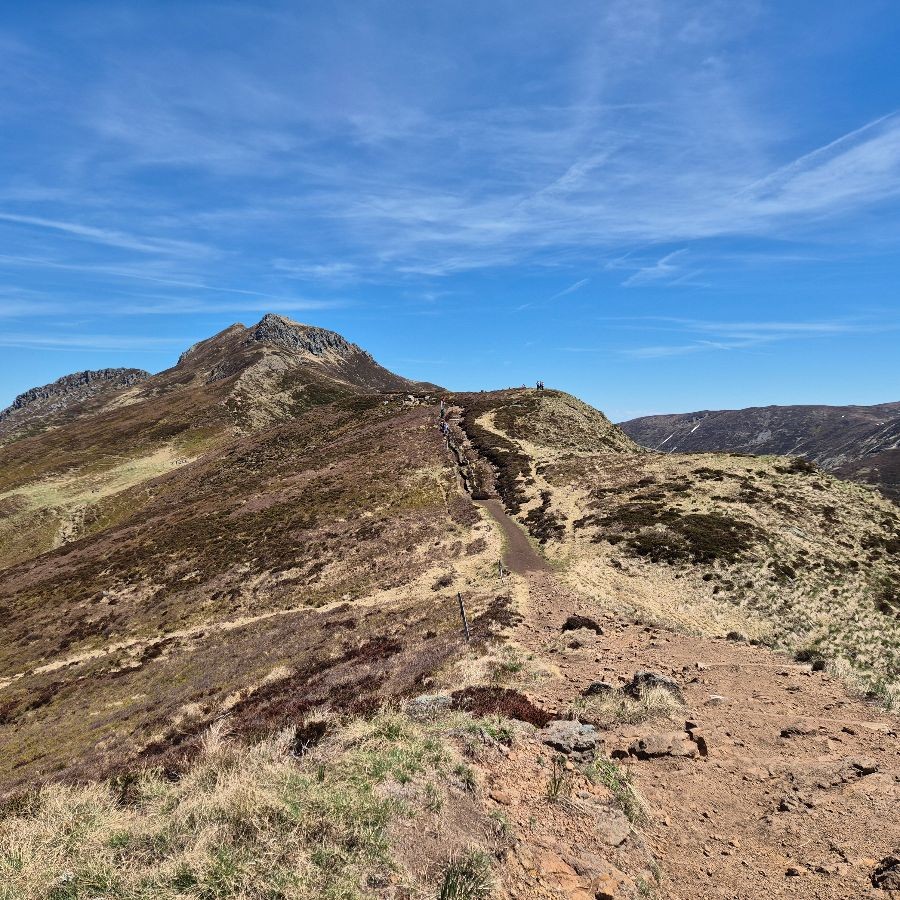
(768, 781)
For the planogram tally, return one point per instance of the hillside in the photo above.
(55, 403)
(59, 477)
(233, 657)
(861, 443)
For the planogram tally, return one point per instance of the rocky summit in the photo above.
(278, 622)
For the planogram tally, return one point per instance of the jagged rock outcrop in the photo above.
(274, 329)
(277, 354)
(54, 403)
(73, 388)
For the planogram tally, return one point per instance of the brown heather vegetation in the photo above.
(232, 663)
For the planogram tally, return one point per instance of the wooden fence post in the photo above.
(462, 612)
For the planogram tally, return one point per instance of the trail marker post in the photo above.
(462, 612)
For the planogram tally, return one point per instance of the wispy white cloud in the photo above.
(571, 289)
(664, 269)
(705, 336)
(46, 341)
(331, 272)
(109, 237)
(381, 159)
(577, 286)
(169, 306)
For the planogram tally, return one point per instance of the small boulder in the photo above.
(886, 874)
(613, 828)
(800, 728)
(597, 689)
(663, 743)
(698, 736)
(426, 706)
(606, 881)
(862, 765)
(573, 738)
(642, 679)
(574, 622)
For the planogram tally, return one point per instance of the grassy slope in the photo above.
(309, 547)
(778, 551)
(253, 822)
(252, 585)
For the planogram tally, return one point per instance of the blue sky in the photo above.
(658, 205)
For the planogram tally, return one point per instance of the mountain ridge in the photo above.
(270, 362)
(258, 560)
(861, 443)
(75, 388)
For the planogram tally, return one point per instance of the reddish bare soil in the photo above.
(797, 795)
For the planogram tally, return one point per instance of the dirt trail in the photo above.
(790, 792)
(734, 823)
(518, 554)
(798, 794)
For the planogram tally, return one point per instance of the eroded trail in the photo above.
(796, 794)
(518, 554)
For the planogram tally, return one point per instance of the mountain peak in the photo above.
(285, 332)
(278, 345)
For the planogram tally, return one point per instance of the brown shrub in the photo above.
(482, 701)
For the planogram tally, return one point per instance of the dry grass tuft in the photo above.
(242, 822)
(619, 783)
(467, 878)
(617, 707)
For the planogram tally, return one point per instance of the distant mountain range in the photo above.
(860, 443)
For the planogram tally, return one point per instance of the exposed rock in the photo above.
(574, 622)
(597, 689)
(606, 881)
(794, 803)
(698, 736)
(71, 389)
(428, 705)
(573, 738)
(557, 871)
(886, 875)
(800, 728)
(641, 680)
(613, 827)
(862, 765)
(274, 329)
(663, 743)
